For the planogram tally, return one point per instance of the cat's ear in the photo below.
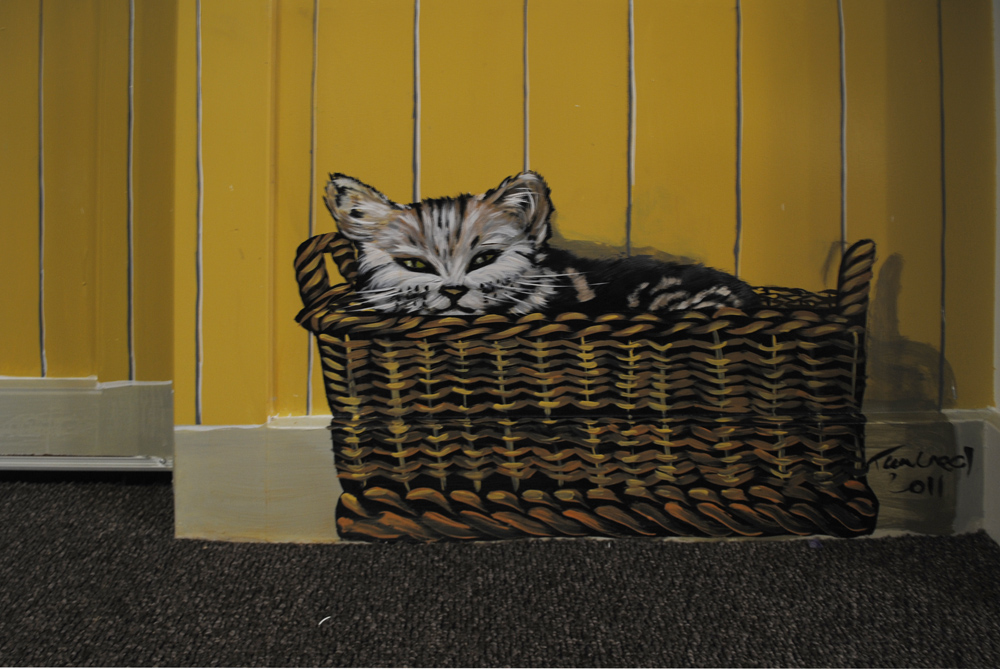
(357, 208)
(526, 195)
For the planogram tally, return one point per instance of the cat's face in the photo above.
(471, 254)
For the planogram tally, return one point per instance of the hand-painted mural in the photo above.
(485, 384)
(527, 389)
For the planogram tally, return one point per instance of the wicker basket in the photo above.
(690, 424)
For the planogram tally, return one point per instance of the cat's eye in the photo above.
(416, 265)
(483, 259)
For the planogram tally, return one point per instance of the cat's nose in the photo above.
(454, 293)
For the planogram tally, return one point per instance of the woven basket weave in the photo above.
(689, 424)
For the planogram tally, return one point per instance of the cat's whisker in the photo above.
(378, 296)
(378, 290)
(547, 276)
(397, 295)
(552, 283)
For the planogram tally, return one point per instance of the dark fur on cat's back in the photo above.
(489, 253)
(629, 284)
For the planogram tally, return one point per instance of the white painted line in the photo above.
(199, 261)
(843, 128)
(312, 192)
(527, 95)
(130, 190)
(738, 247)
(41, 188)
(942, 362)
(630, 176)
(416, 100)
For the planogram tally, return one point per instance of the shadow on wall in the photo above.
(916, 466)
(903, 375)
(588, 249)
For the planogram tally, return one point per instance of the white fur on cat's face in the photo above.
(471, 254)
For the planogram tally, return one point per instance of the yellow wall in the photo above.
(73, 318)
(20, 353)
(727, 142)
(894, 193)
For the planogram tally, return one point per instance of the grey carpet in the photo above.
(90, 575)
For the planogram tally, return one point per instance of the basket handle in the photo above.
(854, 281)
(310, 270)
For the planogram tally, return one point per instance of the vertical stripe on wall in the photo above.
(686, 130)
(843, 126)
(526, 91)
(295, 188)
(471, 94)
(417, 150)
(791, 155)
(944, 214)
(70, 81)
(967, 43)
(41, 188)
(630, 149)
(373, 141)
(185, 216)
(129, 223)
(21, 348)
(199, 322)
(310, 354)
(111, 220)
(579, 114)
(738, 245)
(153, 178)
(894, 193)
(237, 236)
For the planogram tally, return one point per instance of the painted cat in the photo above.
(489, 253)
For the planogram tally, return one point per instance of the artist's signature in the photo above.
(886, 460)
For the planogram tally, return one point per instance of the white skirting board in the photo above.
(991, 474)
(127, 425)
(278, 483)
(274, 483)
(982, 428)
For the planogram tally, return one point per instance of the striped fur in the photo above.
(487, 253)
